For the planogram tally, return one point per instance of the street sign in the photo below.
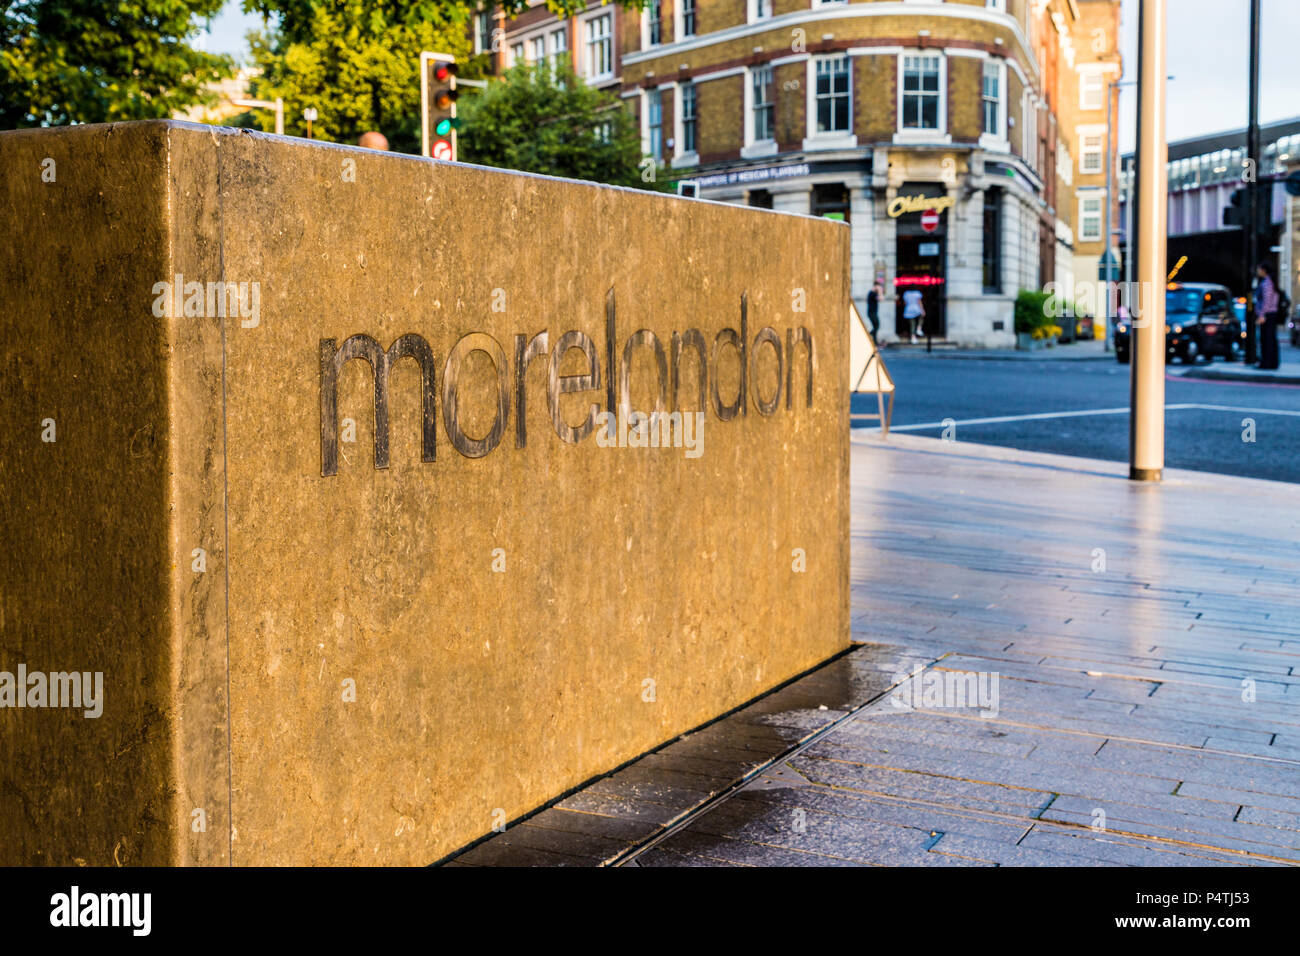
(868, 372)
(930, 220)
(442, 150)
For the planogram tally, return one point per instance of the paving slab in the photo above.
(1160, 691)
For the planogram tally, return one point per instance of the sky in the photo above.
(1207, 57)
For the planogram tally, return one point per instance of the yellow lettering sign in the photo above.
(905, 204)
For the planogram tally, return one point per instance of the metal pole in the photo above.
(1105, 256)
(1251, 242)
(1147, 416)
(1128, 227)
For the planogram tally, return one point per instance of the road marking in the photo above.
(1256, 411)
(1042, 416)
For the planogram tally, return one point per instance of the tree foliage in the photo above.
(96, 61)
(550, 121)
(296, 9)
(357, 62)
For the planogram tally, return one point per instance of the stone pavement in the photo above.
(1146, 645)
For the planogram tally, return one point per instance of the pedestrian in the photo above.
(913, 312)
(873, 310)
(373, 140)
(1266, 308)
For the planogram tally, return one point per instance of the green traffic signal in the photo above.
(445, 126)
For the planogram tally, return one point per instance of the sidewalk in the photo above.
(1083, 350)
(1287, 373)
(1146, 645)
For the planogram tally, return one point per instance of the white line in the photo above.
(1011, 418)
(1039, 416)
(1257, 411)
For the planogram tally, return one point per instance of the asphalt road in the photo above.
(1042, 399)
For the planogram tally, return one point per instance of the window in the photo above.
(992, 97)
(537, 51)
(762, 104)
(688, 18)
(516, 53)
(831, 201)
(559, 46)
(482, 31)
(1092, 146)
(604, 131)
(1029, 143)
(832, 92)
(760, 10)
(688, 118)
(655, 123)
(993, 241)
(996, 5)
(1092, 91)
(1090, 218)
(1064, 163)
(654, 23)
(920, 92)
(600, 53)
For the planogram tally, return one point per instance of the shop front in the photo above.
(920, 214)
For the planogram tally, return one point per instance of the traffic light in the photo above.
(1235, 213)
(442, 122)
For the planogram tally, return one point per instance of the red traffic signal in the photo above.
(440, 107)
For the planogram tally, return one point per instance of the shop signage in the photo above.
(905, 204)
(752, 175)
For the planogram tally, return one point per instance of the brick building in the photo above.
(885, 113)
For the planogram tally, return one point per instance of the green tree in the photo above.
(99, 61)
(543, 121)
(299, 10)
(357, 62)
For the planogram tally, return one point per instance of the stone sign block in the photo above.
(354, 504)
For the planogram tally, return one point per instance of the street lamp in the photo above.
(1147, 351)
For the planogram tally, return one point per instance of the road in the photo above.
(1080, 408)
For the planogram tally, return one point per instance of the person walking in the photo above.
(1266, 308)
(913, 312)
(873, 311)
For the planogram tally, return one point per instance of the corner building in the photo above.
(880, 113)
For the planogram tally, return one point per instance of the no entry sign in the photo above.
(930, 220)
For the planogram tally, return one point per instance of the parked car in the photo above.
(1200, 320)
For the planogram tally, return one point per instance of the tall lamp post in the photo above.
(1107, 256)
(1147, 384)
(1251, 238)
